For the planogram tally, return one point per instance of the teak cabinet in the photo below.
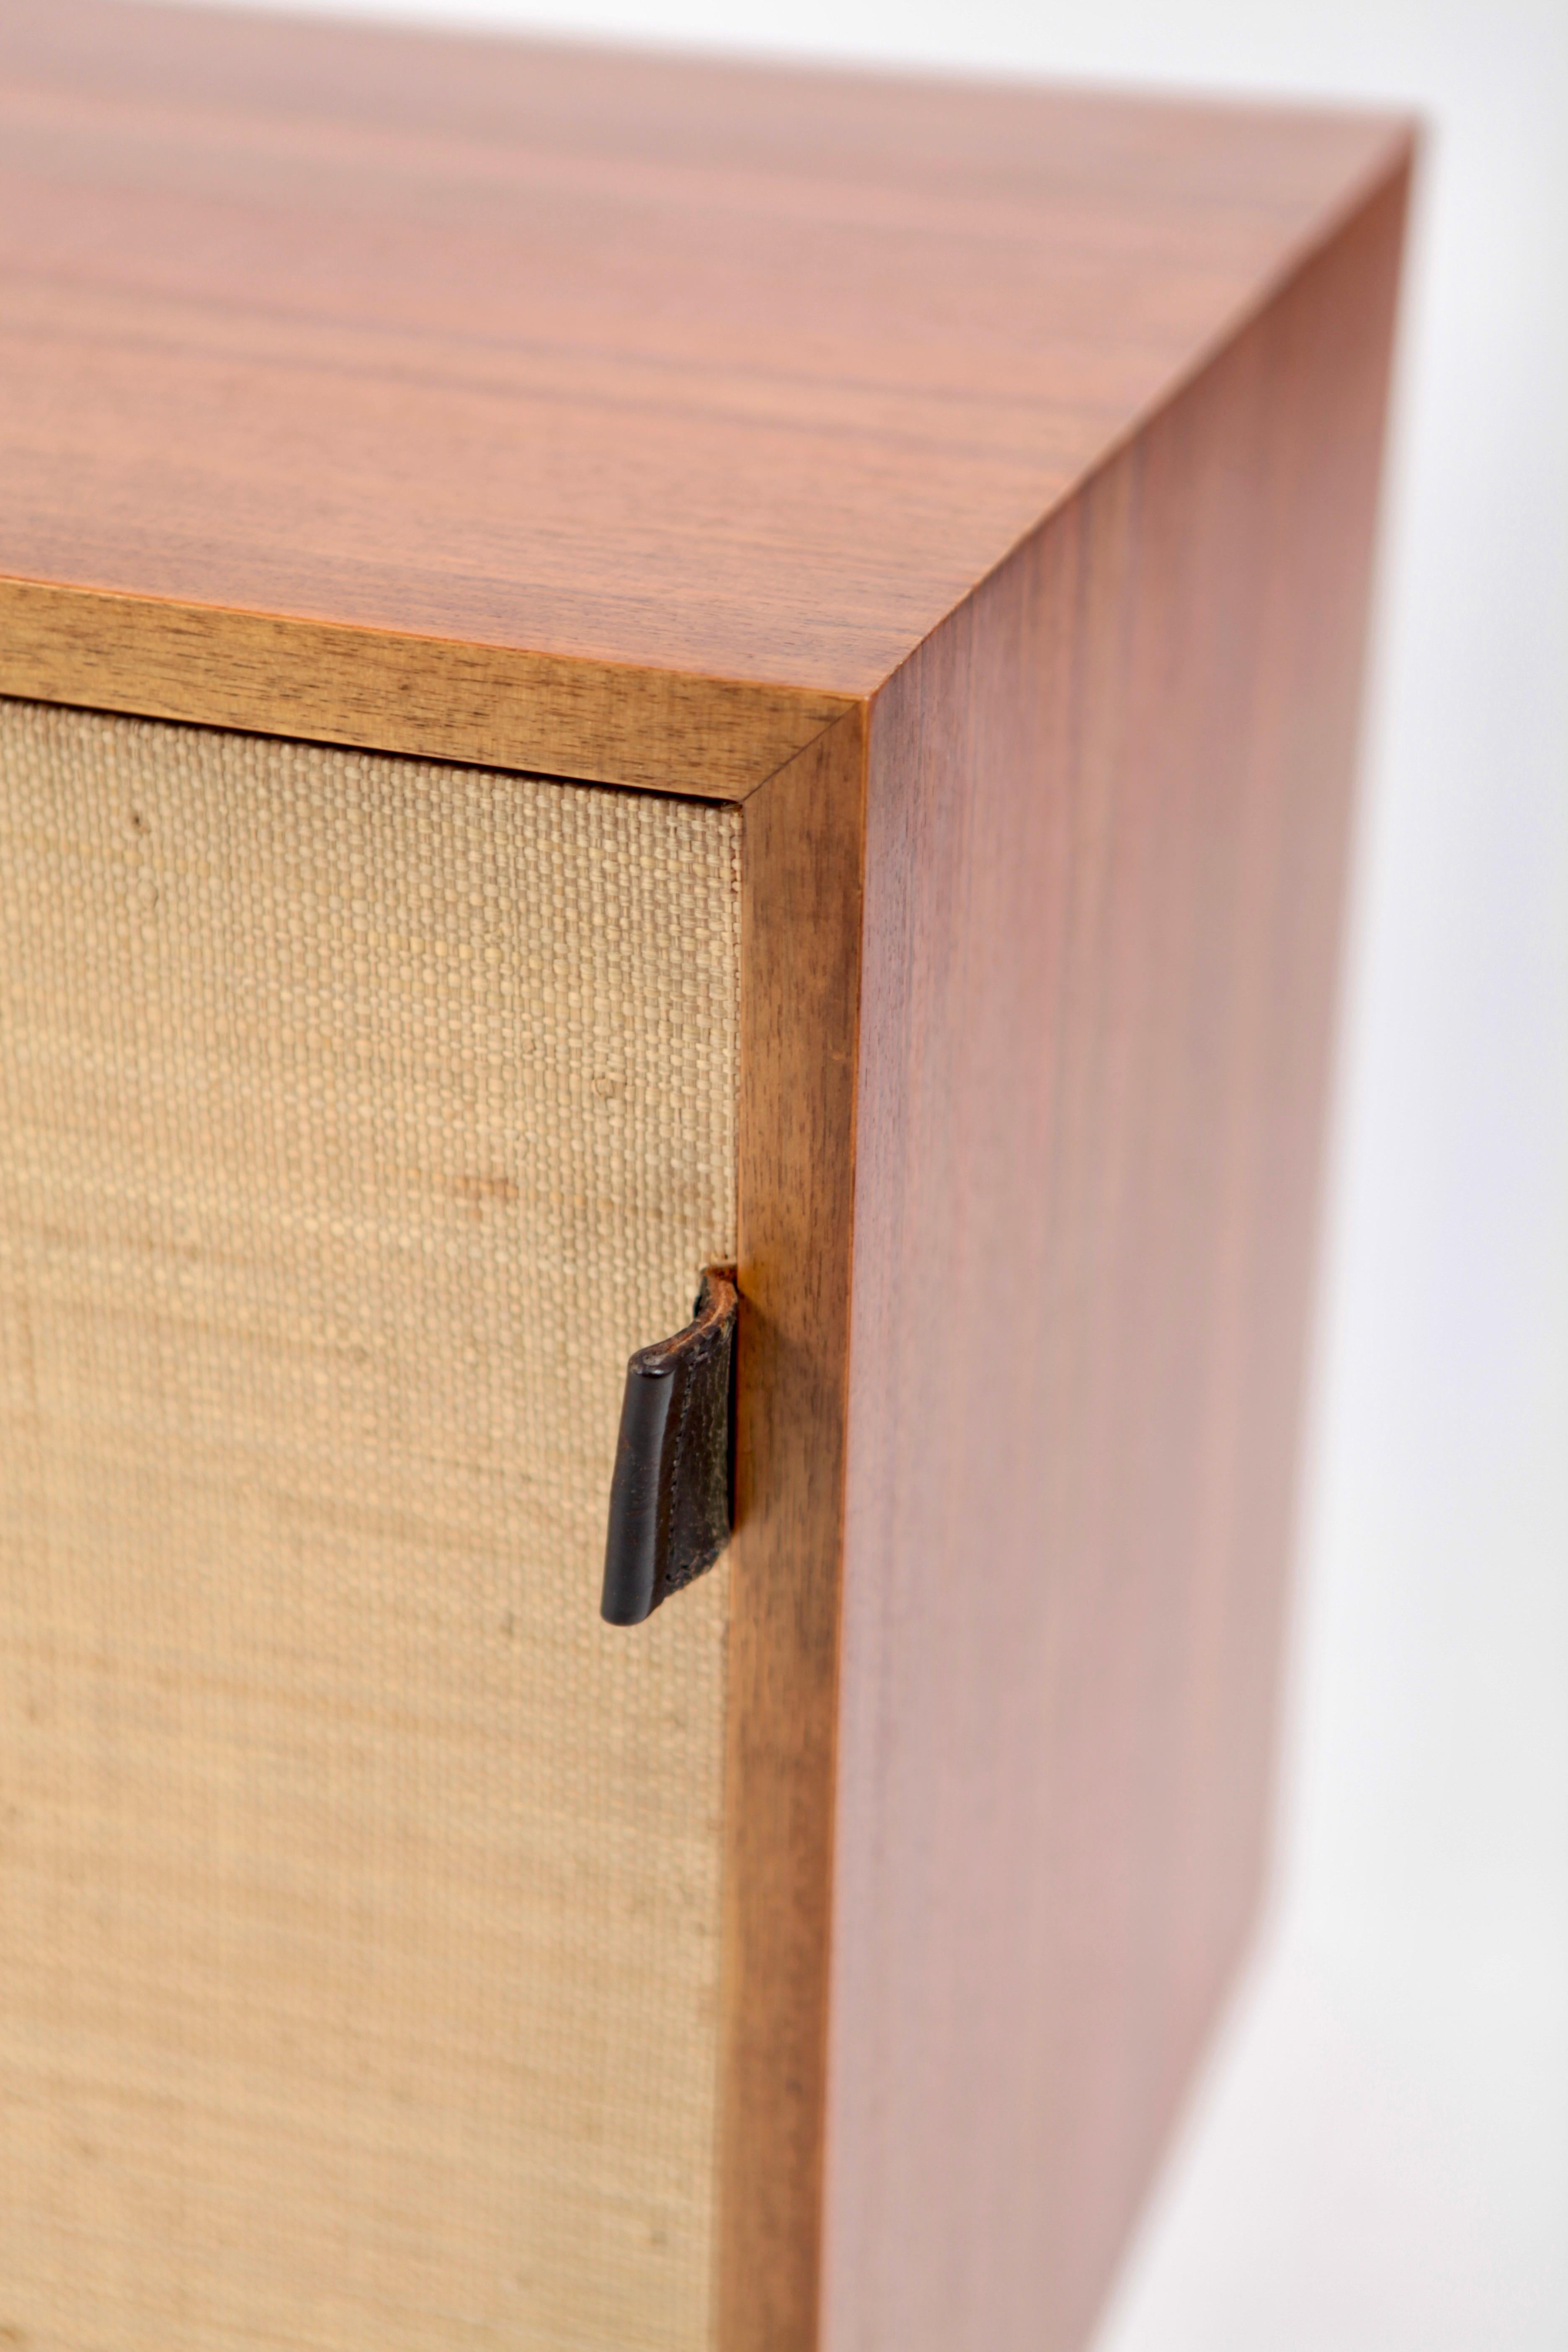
(614, 664)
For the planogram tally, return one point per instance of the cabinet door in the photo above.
(358, 1888)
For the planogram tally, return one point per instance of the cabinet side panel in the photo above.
(359, 1889)
(1105, 833)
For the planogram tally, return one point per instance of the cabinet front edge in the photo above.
(420, 696)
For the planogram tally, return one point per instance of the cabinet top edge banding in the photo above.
(422, 697)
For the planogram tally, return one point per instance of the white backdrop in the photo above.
(1378, 2160)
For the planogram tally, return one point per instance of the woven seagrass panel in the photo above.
(358, 1888)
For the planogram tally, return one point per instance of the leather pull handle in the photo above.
(670, 1497)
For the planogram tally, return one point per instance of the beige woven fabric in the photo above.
(358, 1888)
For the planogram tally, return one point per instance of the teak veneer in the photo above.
(974, 486)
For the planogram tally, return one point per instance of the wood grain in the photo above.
(1106, 834)
(733, 373)
(800, 945)
(432, 698)
(976, 483)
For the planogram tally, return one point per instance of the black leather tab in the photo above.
(670, 1497)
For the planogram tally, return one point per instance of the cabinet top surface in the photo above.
(744, 372)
